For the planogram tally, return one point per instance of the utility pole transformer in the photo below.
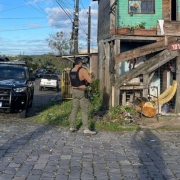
(76, 27)
(89, 30)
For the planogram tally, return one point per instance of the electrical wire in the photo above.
(35, 7)
(64, 10)
(24, 18)
(25, 29)
(41, 8)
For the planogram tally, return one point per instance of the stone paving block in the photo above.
(61, 177)
(113, 176)
(129, 178)
(2, 167)
(10, 170)
(22, 173)
(46, 178)
(15, 165)
(6, 176)
(36, 172)
(48, 174)
(19, 178)
(113, 170)
(39, 166)
(154, 174)
(33, 177)
(144, 177)
(101, 177)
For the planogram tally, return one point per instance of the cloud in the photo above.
(32, 25)
(58, 18)
(19, 46)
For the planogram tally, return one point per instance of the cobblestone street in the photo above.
(39, 152)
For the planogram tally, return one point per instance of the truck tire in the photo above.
(40, 88)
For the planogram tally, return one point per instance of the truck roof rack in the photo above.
(22, 63)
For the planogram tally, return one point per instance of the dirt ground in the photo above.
(168, 121)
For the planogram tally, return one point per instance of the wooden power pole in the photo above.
(89, 30)
(76, 27)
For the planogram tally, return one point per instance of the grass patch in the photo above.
(115, 120)
(55, 114)
(115, 127)
(58, 114)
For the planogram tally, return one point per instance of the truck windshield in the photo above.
(11, 73)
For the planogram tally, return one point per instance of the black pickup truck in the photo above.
(16, 87)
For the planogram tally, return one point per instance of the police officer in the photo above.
(79, 80)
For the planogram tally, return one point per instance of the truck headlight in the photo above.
(21, 89)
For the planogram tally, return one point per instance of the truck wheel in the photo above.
(22, 114)
(40, 88)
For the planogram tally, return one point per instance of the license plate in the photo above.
(48, 83)
(0, 104)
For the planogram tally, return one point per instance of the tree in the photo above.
(58, 43)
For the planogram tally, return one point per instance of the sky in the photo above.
(26, 24)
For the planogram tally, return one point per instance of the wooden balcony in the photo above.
(171, 28)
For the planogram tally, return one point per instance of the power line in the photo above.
(64, 10)
(35, 8)
(25, 29)
(41, 8)
(24, 18)
(16, 7)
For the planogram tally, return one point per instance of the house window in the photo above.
(141, 7)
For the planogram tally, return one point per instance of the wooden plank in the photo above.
(160, 63)
(144, 50)
(177, 102)
(133, 37)
(166, 54)
(124, 98)
(166, 14)
(150, 77)
(171, 28)
(126, 87)
(116, 90)
(145, 82)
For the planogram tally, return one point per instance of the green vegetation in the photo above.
(58, 114)
(140, 25)
(43, 61)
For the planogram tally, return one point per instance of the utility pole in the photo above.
(76, 27)
(89, 30)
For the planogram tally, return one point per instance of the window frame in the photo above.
(137, 1)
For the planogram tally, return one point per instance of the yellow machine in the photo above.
(66, 84)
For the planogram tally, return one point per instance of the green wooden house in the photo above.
(147, 31)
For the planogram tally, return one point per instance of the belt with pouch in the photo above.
(81, 89)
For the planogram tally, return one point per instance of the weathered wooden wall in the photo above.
(177, 103)
(94, 65)
(101, 66)
(166, 13)
(103, 19)
(171, 28)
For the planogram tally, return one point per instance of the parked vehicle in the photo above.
(16, 87)
(3, 58)
(50, 81)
